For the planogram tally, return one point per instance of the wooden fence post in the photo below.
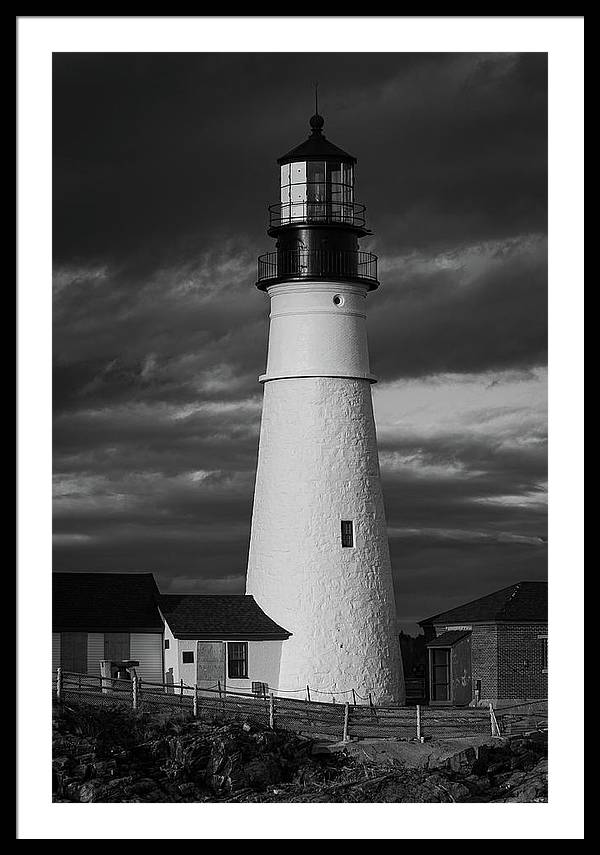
(308, 693)
(219, 687)
(418, 721)
(195, 707)
(353, 698)
(271, 711)
(134, 692)
(494, 722)
(58, 683)
(346, 716)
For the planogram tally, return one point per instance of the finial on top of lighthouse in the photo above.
(316, 121)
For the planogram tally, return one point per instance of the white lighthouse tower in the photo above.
(319, 559)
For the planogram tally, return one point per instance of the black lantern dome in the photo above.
(317, 223)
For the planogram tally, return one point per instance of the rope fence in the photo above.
(328, 720)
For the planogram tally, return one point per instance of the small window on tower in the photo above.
(187, 656)
(167, 644)
(347, 533)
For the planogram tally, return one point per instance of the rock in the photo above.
(71, 791)
(133, 760)
(459, 792)
(187, 788)
(498, 768)
(105, 791)
(144, 785)
(82, 772)
(459, 761)
(260, 772)
(104, 767)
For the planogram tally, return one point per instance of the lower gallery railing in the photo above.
(318, 264)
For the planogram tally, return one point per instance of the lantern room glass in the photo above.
(317, 191)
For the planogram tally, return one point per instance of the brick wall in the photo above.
(507, 658)
(521, 661)
(484, 659)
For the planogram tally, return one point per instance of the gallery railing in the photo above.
(336, 211)
(318, 264)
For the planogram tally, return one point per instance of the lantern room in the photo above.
(317, 183)
(317, 191)
(317, 223)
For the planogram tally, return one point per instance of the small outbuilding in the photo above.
(205, 640)
(222, 641)
(106, 616)
(491, 650)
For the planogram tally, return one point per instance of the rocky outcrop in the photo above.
(115, 755)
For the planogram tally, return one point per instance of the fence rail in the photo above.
(318, 718)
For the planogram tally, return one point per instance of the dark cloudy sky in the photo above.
(164, 165)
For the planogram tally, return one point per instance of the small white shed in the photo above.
(220, 640)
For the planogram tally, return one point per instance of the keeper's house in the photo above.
(201, 639)
(494, 649)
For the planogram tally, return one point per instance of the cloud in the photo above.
(477, 308)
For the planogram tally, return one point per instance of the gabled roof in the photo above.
(525, 601)
(219, 617)
(448, 639)
(105, 602)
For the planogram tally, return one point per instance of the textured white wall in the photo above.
(318, 465)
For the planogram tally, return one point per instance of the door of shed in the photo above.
(210, 659)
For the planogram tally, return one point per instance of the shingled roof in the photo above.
(316, 148)
(219, 617)
(105, 602)
(448, 639)
(525, 601)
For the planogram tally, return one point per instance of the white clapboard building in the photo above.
(114, 616)
(206, 640)
(220, 641)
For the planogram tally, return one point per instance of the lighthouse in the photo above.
(319, 559)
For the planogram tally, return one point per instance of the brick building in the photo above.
(494, 649)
